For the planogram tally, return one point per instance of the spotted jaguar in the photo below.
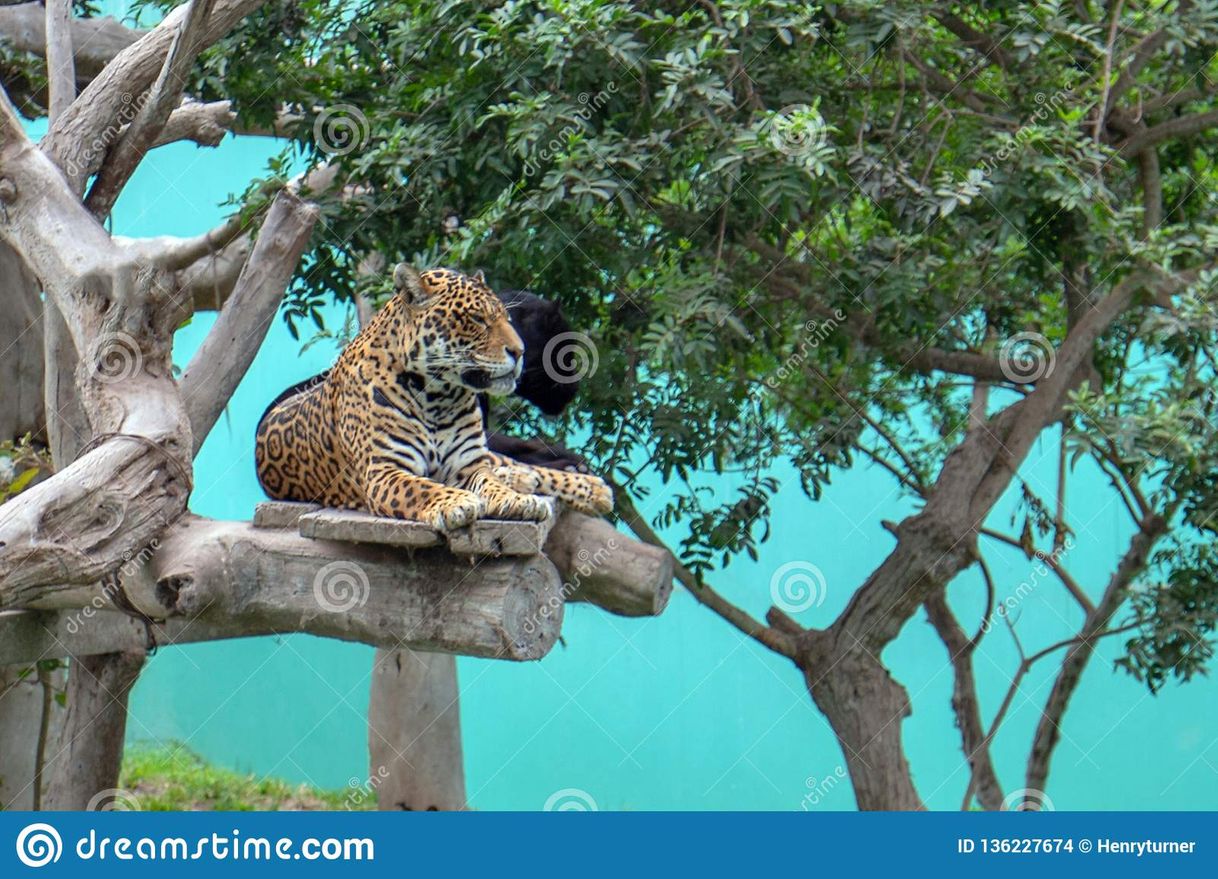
(395, 428)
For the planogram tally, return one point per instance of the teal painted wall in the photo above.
(675, 712)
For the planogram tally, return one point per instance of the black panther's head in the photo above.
(537, 321)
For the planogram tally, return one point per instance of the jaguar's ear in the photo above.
(479, 276)
(408, 284)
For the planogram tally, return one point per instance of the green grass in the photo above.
(173, 778)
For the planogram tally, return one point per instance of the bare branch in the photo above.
(221, 361)
(176, 254)
(779, 641)
(200, 123)
(165, 95)
(1048, 730)
(61, 66)
(70, 141)
(1183, 126)
(95, 41)
(965, 703)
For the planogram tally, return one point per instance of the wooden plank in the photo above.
(353, 526)
(497, 537)
(486, 537)
(281, 514)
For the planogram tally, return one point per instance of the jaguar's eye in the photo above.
(480, 320)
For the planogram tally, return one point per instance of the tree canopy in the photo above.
(919, 235)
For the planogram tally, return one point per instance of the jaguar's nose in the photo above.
(514, 353)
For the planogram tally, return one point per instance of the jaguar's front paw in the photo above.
(454, 510)
(592, 495)
(522, 479)
(521, 507)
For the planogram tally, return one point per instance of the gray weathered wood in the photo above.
(493, 537)
(212, 375)
(605, 567)
(414, 733)
(501, 537)
(86, 755)
(240, 580)
(281, 514)
(353, 526)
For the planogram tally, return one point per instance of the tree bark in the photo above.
(414, 732)
(865, 707)
(22, 699)
(241, 580)
(85, 760)
(20, 350)
(601, 565)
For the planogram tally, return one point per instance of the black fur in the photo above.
(537, 321)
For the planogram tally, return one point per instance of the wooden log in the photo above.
(602, 566)
(414, 732)
(240, 580)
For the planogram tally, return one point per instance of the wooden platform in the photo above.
(486, 537)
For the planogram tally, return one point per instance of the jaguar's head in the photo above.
(460, 329)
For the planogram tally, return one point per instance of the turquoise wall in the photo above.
(675, 712)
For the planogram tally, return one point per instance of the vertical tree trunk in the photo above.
(414, 732)
(865, 707)
(21, 712)
(20, 349)
(85, 758)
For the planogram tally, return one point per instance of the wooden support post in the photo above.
(84, 761)
(414, 732)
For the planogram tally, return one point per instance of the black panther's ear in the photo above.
(408, 284)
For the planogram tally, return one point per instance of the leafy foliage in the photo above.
(762, 212)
